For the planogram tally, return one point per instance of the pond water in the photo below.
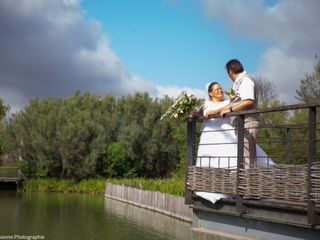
(82, 216)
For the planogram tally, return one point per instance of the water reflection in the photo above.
(149, 220)
(81, 216)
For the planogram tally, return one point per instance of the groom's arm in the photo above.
(242, 105)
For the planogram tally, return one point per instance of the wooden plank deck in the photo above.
(9, 179)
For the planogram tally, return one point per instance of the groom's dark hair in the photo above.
(235, 65)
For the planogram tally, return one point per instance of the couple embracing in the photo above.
(218, 141)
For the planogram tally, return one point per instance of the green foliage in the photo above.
(149, 148)
(173, 186)
(91, 185)
(8, 171)
(272, 140)
(59, 138)
(118, 161)
(87, 135)
(55, 185)
(3, 111)
(300, 136)
(182, 106)
(29, 168)
(308, 92)
(309, 89)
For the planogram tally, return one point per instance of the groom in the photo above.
(244, 99)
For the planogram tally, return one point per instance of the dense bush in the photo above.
(88, 135)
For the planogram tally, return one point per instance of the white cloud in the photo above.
(14, 97)
(174, 91)
(284, 70)
(49, 49)
(289, 26)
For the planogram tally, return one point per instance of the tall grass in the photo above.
(173, 186)
(55, 185)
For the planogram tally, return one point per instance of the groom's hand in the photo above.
(224, 111)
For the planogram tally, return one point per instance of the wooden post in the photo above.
(240, 132)
(191, 132)
(312, 217)
(288, 146)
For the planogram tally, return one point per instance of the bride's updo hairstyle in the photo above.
(210, 88)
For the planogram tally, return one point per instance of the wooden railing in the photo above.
(312, 174)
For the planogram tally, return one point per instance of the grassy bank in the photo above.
(174, 186)
(57, 185)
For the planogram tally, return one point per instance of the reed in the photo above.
(58, 185)
(173, 186)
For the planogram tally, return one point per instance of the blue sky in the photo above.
(170, 42)
(54, 48)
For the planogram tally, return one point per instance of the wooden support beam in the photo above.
(240, 131)
(191, 135)
(313, 218)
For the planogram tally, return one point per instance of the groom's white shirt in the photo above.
(244, 86)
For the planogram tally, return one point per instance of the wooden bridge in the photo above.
(280, 201)
(11, 177)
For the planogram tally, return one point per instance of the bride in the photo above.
(218, 142)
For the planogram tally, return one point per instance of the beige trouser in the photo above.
(250, 138)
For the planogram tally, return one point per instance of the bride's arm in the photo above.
(213, 112)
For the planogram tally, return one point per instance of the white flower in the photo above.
(182, 106)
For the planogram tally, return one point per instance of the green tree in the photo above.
(266, 92)
(271, 139)
(34, 133)
(80, 136)
(150, 143)
(162, 146)
(309, 89)
(118, 161)
(308, 92)
(3, 111)
(60, 137)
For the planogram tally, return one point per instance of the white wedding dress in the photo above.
(218, 147)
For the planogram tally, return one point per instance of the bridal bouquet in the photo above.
(230, 93)
(182, 106)
(232, 96)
